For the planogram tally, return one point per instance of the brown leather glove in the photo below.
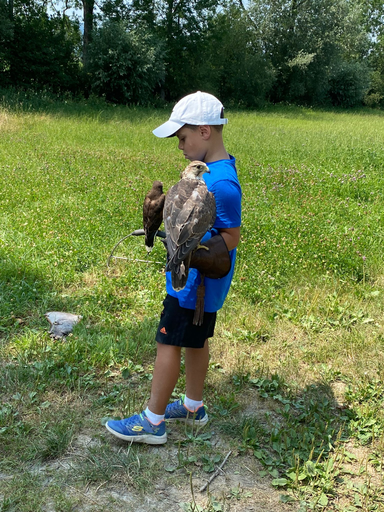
(214, 262)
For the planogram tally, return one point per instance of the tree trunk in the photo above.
(169, 18)
(10, 9)
(295, 5)
(88, 6)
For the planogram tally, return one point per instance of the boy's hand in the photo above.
(213, 259)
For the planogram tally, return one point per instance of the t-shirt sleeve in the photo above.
(228, 204)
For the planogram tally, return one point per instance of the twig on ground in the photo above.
(218, 470)
(84, 494)
(101, 485)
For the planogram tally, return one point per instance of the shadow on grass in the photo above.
(300, 436)
(23, 293)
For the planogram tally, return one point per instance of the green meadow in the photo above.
(301, 334)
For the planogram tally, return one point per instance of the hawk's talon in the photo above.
(202, 247)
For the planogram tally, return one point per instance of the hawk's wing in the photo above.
(189, 212)
(153, 213)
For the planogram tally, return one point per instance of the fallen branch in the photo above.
(218, 470)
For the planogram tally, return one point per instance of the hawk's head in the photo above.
(195, 170)
(158, 186)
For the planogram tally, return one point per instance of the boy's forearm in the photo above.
(231, 237)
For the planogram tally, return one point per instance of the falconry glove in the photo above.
(213, 262)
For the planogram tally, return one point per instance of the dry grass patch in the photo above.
(8, 122)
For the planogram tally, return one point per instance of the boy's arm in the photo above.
(216, 262)
(231, 237)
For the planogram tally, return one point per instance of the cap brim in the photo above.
(168, 129)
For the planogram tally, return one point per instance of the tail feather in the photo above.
(179, 274)
(150, 240)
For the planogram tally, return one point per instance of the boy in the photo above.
(197, 121)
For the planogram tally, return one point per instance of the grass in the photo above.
(301, 334)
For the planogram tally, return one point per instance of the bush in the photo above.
(125, 66)
(375, 96)
(348, 83)
(373, 100)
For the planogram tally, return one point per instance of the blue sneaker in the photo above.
(178, 411)
(138, 429)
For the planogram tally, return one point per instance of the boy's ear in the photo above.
(205, 131)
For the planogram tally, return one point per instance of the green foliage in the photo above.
(373, 13)
(6, 33)
(234, 66)
(349, 82)
(301, 447)
(305, 40)
(126, 66)
(184, 29)
(43, 52)
(375, 95)
(143, 52)
(367, 419)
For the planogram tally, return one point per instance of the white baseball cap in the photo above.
(197, 109)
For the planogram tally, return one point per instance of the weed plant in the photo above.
(302, 326)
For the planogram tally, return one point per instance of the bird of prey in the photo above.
(189, 212)
(153, 213)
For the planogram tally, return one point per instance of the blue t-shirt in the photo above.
(223, 182)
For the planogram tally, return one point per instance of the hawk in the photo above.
(153, 213)
(189, 212)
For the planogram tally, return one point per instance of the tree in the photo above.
(373, 19)
(125, 65)
(183, 26)
(135, 12)
(88, 15)
(88, 20)
(43, 49)
(306, 41)
(234, 65)
(6, 34)
(373, 16)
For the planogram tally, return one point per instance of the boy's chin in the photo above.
(192, 158)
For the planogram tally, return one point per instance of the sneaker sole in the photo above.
(147, 439)
(191, 421)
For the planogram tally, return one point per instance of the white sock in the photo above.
(192, 405)
(153, 418)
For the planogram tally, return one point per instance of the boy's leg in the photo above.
(196, 366)
(165, 375)
(138, 428)
(191, 408)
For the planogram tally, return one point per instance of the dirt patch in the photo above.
(237, 488)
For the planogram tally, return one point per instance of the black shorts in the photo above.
(176, 326)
